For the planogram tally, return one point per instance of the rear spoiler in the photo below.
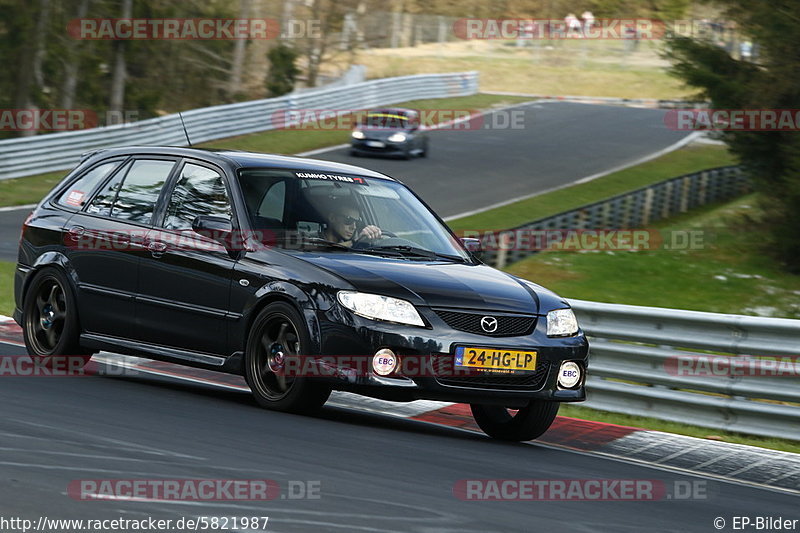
(90, 153)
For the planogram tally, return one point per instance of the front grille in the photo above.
(530, 381)
(507, 325)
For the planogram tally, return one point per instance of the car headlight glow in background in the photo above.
(397, 138)
(379, 307)
(358, 134)
(561, 323)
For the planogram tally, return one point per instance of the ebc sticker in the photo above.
(355, 180)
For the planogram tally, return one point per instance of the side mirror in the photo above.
(473, 246)
(219, 229)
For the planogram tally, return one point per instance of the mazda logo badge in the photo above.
(489, 324)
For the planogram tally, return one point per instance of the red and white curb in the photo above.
(725, 461)
(738, 463)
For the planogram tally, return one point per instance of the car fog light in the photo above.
(569, 375)
(384, 362)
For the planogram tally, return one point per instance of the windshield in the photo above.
(385, 120)
(340, 212)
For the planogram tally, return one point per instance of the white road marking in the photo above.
(17, 207)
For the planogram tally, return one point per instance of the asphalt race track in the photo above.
(559, 143)
(373, 472)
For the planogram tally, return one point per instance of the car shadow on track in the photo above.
(330, 413)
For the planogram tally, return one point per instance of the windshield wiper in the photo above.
(413, 251)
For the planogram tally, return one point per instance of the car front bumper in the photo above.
(350, 343)
(367, 146)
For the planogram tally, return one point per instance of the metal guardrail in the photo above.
(634, 209)
(57, 151)
(730, 372)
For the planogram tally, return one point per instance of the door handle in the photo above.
(157, 248)
(76, 232)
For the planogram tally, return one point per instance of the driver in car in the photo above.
(343, 221)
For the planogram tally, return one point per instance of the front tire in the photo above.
(50, 324)
(280, 333)
(527, 423)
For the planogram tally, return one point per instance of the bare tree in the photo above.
(33, 54)
(120, 73)
(239, 50)
(71, 63)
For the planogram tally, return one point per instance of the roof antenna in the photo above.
(184, 130)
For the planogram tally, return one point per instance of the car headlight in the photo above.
(397, 138)
(561, 323)
(357, 134)
(379, 307)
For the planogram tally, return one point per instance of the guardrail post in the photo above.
(648, 206)
(502, 250)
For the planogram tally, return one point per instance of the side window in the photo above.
(273, 202)
(78, 192)
(137, 197)
(199, 191)
(132, 193)
(104, 200)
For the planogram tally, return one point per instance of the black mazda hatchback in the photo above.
(304, 276)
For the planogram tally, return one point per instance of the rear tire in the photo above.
(50, 324)
(279, 332)
(527, 423)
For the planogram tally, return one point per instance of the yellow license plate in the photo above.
(494, 359)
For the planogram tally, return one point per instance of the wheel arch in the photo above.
(50, 259)
(281, 291)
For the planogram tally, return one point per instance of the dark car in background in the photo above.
(224, 260)
(390, 131)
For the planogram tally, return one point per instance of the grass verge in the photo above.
(31, 189)
(28, 190)
(726, 272)
(585, 413)
(689, 159)
(6, 288)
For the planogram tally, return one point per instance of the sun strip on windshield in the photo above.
(338, 178)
